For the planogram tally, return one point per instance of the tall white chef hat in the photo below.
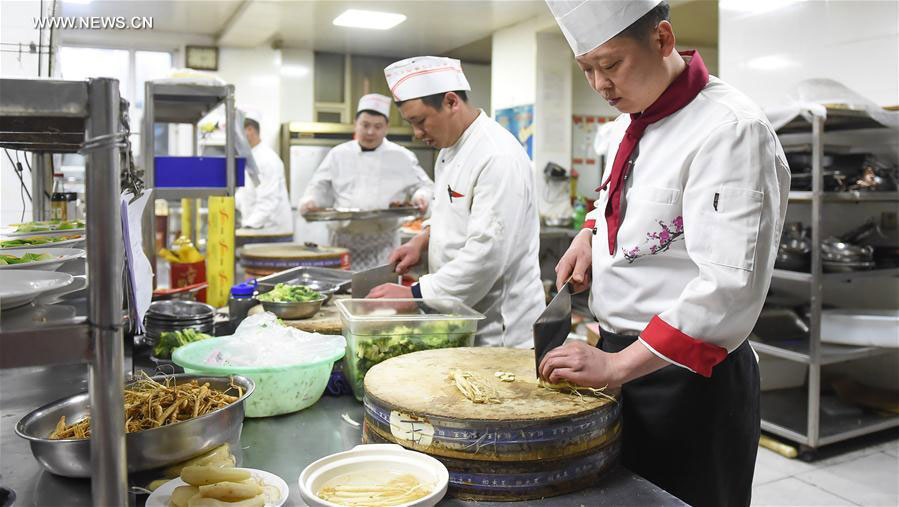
(587, 24)
(421, 76)
(375, 102)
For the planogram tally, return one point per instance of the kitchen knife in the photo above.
(365, 281)
(553, 325)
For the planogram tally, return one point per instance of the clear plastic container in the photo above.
(378, 329)
(279, 389)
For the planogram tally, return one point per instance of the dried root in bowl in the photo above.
(151, 404)
(473, 387)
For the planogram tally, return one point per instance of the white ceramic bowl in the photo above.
(60, 257)
(161, 496)
(375, 458)
(21, 286)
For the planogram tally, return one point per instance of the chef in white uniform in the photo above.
(369, 172)
(266, 207)
(681, 250)
(483, 234)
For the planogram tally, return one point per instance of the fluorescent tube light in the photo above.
(373, 20)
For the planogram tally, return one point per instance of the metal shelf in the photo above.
(800, 276)
(837, 120)
(43, 116)
(797, 414)
(784, 413)
(186, 103)
(179, 192)
(47, 115)
(798, 351)
(853, 196)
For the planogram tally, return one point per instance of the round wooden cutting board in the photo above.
(535, 442)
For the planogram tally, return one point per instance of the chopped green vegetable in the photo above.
(29, 257)
(35, 240)
(369, 350)
(169, 341)
(284, 293)
(49, 226)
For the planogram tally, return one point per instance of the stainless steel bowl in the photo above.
(146, 449)
(294, 311)
(326, 289)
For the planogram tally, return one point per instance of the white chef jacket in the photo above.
(484, 240)
(266, 206)
(703, 212)
(351, 178)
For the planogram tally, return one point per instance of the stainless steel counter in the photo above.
(282, 445)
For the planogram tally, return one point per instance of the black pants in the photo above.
(693, 436)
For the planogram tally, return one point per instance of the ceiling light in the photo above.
(369, 19)
(771, 62)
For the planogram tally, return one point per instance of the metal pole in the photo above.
(230, 152)
(148, 138)
(105, 261)
(814, 351)
(39, 179)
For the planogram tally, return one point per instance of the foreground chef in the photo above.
(369, 172)
(484, 231)
(681, 248)
(265, 207)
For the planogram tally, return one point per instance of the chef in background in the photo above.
(681, 249)
(369, 172)
(484, 231)
(265, 207)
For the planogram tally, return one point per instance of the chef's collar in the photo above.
(451, 151)
(367, 150)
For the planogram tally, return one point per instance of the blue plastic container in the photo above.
(195, 172)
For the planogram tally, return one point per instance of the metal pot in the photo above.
(835, 250)
(148, 449)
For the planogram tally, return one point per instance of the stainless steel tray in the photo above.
(330, 215)
(303, 275)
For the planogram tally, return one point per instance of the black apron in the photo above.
(695, 437)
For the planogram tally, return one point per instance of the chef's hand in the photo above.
(577, 263)
(407, 255)
(308, 206)
(588, 366)
(421, 203)
(579, 363)
(390, 291)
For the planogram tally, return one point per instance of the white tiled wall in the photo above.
(766, 47)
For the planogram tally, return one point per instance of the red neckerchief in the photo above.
(678, 94)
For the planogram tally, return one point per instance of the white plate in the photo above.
(374, 458)
(60, 257)
(10, 232)
(160, 497)
(20, 286)
(69, 243)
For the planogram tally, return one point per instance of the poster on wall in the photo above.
(519, 120)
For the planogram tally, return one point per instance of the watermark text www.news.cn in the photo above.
(94, 23)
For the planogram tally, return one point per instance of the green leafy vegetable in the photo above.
(35, 240)
(171, 340)
(369, 350)
(29, 257)
(284, 293)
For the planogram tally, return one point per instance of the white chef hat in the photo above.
(375, 102)
(421, 76)
(587, 24)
